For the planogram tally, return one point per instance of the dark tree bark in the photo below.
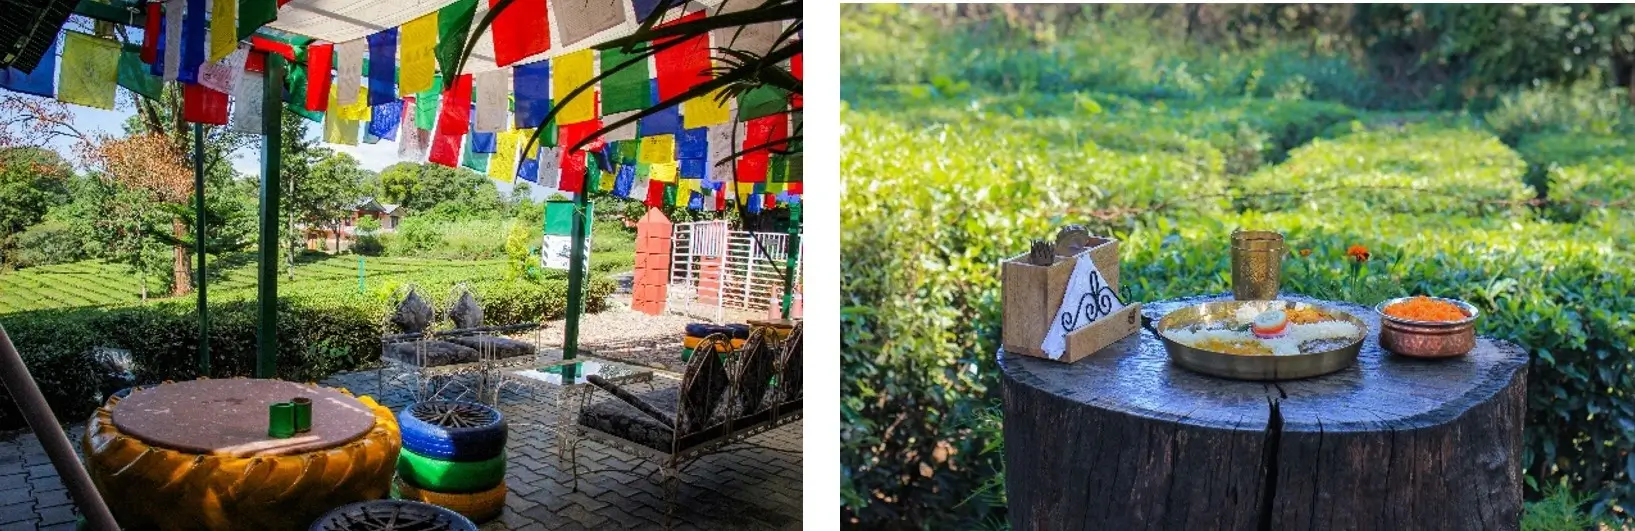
(1125, 440)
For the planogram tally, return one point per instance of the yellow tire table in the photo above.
(196, 455)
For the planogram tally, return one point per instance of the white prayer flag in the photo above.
(348, 71)
(174, 10)
(247, 103)
(223, 75)
(493, 92)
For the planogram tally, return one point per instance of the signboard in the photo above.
(558, 244)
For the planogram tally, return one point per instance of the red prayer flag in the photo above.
(150, 34)
(568, 135)
(319, 57)
(655, 194)
(771, 200)
(202, 105)
(684, 65)
(759, 132)
(263, 44)
(573, 172)
(255, 62)
(720, 200)
(521, 31)
(452, 122)
(793, 188)
(282, 2)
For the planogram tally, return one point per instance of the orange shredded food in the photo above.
(1424, 308)
(1306, 315)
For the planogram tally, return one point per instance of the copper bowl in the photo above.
(1428, 339)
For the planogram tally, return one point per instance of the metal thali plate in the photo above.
(1241, 367)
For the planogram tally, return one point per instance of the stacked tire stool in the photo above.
(453, 456)
(696, 332)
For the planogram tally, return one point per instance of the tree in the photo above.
(424, 187)
(328, 194)
(32, 181)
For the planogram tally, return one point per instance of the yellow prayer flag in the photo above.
(664, 172)
(684, 192)
(704, 111)
(568, 72)
(417, 43)
(223, 28)
(522, 141)
(90, 71)
(358, 110)
(658, 149)
(338, 129)
(608, 179)
(744, 190)
(502, 166)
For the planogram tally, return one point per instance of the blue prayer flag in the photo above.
(531, 84)
(383, 67)
(40, 82)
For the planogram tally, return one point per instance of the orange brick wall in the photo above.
(652, 263)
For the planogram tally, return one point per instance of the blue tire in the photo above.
(453, 431)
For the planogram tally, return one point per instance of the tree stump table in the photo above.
(1124, 439)
(196, 455)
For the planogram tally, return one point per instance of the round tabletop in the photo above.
(1382, 391)
(230, 417)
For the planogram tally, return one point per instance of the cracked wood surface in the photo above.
(1123, 439)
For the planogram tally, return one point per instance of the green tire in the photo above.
(450, 476)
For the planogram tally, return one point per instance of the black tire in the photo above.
(453, 431)
(392, 515)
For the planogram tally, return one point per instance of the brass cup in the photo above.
(1257, 264)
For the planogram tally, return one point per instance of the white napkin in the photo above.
(1088, 298)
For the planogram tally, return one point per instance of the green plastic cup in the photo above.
(281, 420)
(303, 414)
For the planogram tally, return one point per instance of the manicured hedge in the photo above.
(319, 333)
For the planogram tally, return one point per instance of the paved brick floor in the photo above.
(757, 487)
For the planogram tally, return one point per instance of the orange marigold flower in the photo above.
(1358, 253)
(1305, 252)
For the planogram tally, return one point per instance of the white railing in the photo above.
(712, 268)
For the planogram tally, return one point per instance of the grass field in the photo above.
(95, 283)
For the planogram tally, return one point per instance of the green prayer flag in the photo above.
(627, 89)
(547, 135)
(779, 172)
(253, 14)
(295, 100)
(474, 160)
(764, 100)
(425, 104)
(136, 77)
(628, 151)
(669, 194)
(794, 174)
(453, 25)
(644, 171)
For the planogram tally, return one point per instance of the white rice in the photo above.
(1288, 345)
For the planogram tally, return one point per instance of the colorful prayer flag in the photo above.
(348, 70)
(473, 159)
(223, 29)
(419, 51)
(202, 105)
(493, 92)
(583, 19)
(627, 89)
(383, 67)
(452, 122)
(358, 110)
(550, 167)
(764, 100)
(521, 31)
(338, 128)
(570, 72)
(90, 72)
(253, 14)
(762, 137)
(705, 111)
(247, 97)
(453, 24)
(134, 76)
(623, 132)
(319, 57)
(222, 76)
(684, 65)
(151, 33)
(384, 119)
(664, 172)
(658, 149)
(193, 42)
(503, 165)
(174, 14)
(573, 172)
(426, 104)
(39, 82)
(532, 86)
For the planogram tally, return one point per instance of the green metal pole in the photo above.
(576, 283)
(198, 247)
(272, 107)
(792, 252)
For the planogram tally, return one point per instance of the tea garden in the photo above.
(1521, 207)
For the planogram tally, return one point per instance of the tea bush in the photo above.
(934, 200)
(320, 331)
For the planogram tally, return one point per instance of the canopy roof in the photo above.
(574, 24)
